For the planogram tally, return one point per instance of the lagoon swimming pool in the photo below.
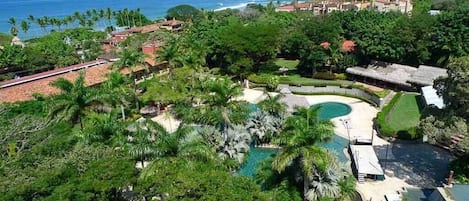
(328, 110)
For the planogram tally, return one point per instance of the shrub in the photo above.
(460, 167)
(409, 134)
(341, 76)
(259, 79)
(272, 83)
(324, 76)
(384, 128)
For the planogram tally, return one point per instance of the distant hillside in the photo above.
(5, 39)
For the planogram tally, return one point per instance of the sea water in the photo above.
(153, 9)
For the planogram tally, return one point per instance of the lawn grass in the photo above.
(290, 64)
(304, 81)
(405, 114)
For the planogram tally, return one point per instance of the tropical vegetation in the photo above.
(92, 143)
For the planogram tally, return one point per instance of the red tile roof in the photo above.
(22, 92)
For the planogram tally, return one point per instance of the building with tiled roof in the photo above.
(285, 8)
(24, 88)
(172, 25)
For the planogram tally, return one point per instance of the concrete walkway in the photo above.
(361, 118)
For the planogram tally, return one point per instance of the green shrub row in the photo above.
(384, 128)
(324, 76)
(264, 79)
(338, 94)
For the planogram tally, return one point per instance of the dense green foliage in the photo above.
(58, 49)
(91, 144)
(183, 12)
(448, 127)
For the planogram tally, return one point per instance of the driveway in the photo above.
(421, 165)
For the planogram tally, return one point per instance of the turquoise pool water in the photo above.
(331, 110)
(337, 144)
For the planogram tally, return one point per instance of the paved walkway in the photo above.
(361, 118)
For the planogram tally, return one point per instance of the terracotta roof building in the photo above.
(24, 88)
(172, 25)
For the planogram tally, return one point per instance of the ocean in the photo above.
(154, 9)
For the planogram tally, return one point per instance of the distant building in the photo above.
(172, 25)
(122, 35)
(17, 41)
(403, 6)
(285, 8)
(150, 48)
(325, 7)
(431, 97)
(434, 12)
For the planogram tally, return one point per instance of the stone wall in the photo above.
(338, 90)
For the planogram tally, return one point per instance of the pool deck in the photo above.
(361, 119)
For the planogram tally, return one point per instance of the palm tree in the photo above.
(299, 146)
(141, 142)
(222, 91)
(13, 29)
(325, 183)
(31, 18)
(261, 126)
(25, 26)
(100, 128)
(170, 54)
(109, 15)
(118, 92)
(71, 103)
(272, 105)
(130, 59)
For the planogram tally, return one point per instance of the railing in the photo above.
(53, 73)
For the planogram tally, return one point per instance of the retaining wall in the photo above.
(338, 90)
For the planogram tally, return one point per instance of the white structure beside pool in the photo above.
(431, 97)
(366, 163)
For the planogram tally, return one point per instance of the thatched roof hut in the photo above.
(397, 74)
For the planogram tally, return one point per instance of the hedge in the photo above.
(263, 79)
(386, 130)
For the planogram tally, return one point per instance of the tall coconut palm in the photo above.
(72, 101)
(13, 29)
(109, 14)
(31, 18)
(299, 146)
(222, 92)
(141, 142)
(25, 26)
(130, 59)
(100, 128)
(170, 54)
(118, 92)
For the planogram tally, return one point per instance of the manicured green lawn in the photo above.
(297, 79)
(290, 64)
(406, 113)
